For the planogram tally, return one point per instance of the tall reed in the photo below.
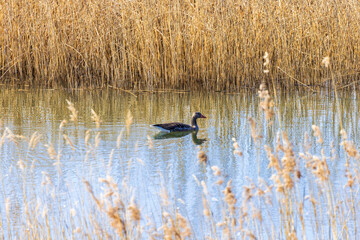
(148, 44)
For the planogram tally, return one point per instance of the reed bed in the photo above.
(181, 44)
(276, 208)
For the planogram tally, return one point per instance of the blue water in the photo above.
(147, 166)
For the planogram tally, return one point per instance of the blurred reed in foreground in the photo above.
(148, 44)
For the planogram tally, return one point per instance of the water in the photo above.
(164, 161)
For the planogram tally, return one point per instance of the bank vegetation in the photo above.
(178, 44)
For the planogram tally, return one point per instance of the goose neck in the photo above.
(194, 123)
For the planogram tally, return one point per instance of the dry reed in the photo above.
(214, 45)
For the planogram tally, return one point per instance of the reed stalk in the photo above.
(148, 44)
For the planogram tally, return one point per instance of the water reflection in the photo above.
(168, 135)
(172, 155)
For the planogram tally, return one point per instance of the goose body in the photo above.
(179, 127)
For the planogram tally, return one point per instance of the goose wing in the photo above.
(174, 126)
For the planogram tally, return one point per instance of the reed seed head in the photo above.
(51, 151)
(62, 124)
(34, 140)
(134, 211)
(184, 228)
(95, 118)
(74, 112)
(230, 198)
(206, 210)
(69, 141)
(254, 134)
(216, 170)
(236, 147)
(202, 157)
(325, 62)
(351, 180)
(317, 133)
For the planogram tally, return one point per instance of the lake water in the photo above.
(148, 162)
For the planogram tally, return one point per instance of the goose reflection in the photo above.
(167, 135)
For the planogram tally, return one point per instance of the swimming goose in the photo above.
(176, 126)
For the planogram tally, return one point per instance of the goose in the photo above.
(177, 127)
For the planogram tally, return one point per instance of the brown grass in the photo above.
(147, 44)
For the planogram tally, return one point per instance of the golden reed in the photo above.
(180, 44)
